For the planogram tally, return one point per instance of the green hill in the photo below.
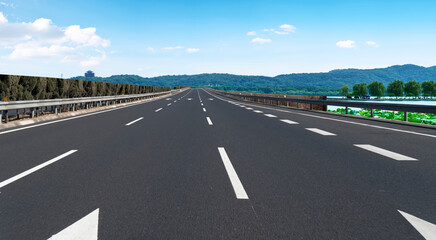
(300, 82)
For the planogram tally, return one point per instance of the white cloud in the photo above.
(281, 33)
(150, 49)
(346, 44)
(93, 61)
(192, 50)
(172, 48)
(288, 28)
(252, 33)
(269, 30)
(85, 36)
(43, 39)
(261, 40)
(372, 43)
(31, 50)
(3, 19)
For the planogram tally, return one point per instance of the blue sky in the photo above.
(151, 38)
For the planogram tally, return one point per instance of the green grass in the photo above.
(424, 118)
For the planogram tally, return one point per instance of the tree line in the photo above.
(17, 88)
(395, 88)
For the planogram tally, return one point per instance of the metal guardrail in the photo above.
(57, 105)
(369, 105)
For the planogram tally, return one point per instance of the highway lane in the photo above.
(163, 176)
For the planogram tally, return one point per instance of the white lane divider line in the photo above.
(234, 179)
(132, 122)
(288, 121)
(169, 104)
(210, 99)
(426, 229)
(249, 108)
(209, 121)
(34, 169)
(201, 104)
(175, 101)
(322, 132)
(386, 153)
(157, 110)
(270, 115)
(257, 111)
(204, 109)
(85, 228)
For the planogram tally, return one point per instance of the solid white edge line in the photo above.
(386, 153)
(132, 122)
(34, 169)
(209, 121)
(157, 110)
(337, 120)
(234, 179)
(288, 121)
(321, 132)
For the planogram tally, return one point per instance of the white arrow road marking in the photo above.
(386, 153)
(34, 169)
(84, 229)
(288, 121)
(270, 115)
(426, 229)
(132, 122)
(157, 110)
(322, 132)
(234, 179)
(209, 121)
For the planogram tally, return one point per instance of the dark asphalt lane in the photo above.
(163, 178)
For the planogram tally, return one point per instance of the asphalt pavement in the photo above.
(198, 165)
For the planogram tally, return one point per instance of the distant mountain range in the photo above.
(332, 80)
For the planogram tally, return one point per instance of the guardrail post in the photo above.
(18, 114)
(32, 113)
(346, 110)
(405, 116)
(6, 116)
(73, 107)
(298, 105)
(372, 112)
(1, 117)
(56, 110)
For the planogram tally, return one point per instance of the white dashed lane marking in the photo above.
(288, 121)
(234, 179)
(321, 132)
(132, 122)
(386, 153)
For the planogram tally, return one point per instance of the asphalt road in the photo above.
(201, 166)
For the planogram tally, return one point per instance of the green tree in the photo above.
(396, 88)
(429, 88)
(412, 88)
(376, 89)
(360, 89)
(344, 90)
